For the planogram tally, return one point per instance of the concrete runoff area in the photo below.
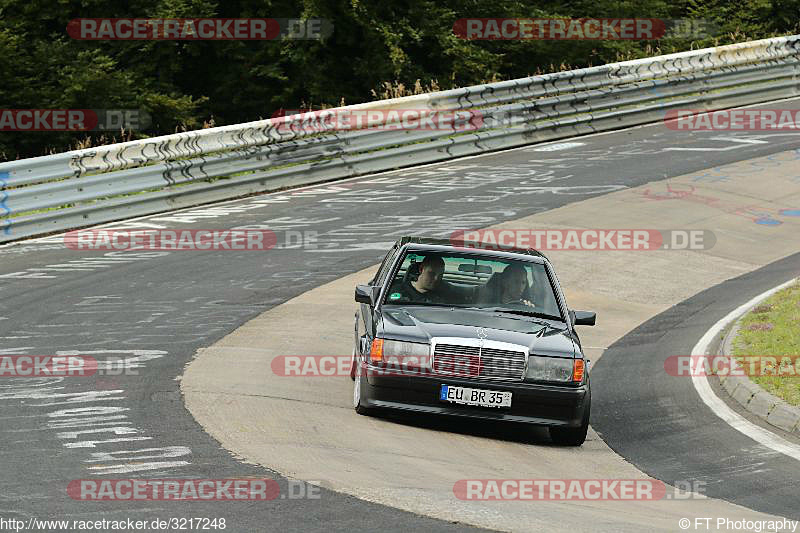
(305, 428)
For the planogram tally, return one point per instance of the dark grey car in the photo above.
(478, 333)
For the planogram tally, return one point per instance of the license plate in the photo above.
(479, 397)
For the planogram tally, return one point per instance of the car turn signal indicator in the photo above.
(376, 351)
(577, 370)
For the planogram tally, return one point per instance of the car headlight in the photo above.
(402, 348)
(402, 354)
(554, 369)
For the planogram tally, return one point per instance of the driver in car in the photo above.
(509, 286)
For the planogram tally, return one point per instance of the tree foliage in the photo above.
(375, 44)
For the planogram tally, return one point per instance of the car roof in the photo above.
(438, 245)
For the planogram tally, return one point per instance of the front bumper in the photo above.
(536, 404)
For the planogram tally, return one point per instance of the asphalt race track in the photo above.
(156, 309)
(646, 422)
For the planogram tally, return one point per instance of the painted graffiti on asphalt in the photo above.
(94, 418)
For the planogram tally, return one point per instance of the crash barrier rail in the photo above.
(90, 186)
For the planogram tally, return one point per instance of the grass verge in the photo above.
(773, 329)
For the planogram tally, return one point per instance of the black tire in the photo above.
(572, 436)
(357, 405)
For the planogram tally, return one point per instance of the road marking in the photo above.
(742, 140)
(557, 146)
(736, 421)
(129, 468)
(734, 146)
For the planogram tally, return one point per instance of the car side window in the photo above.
(388, 261)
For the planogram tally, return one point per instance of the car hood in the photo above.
(420, 324)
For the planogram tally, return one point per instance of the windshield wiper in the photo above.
(534, 314)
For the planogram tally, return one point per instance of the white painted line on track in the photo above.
(736, 421)
(558, 146)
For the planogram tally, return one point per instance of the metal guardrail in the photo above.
(91, 186)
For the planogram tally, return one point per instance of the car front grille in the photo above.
(478, 362)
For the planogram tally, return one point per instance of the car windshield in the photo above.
(463, 280)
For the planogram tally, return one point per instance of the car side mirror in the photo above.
(367, 294)
(583, 318)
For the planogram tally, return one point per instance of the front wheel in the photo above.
(572, 436)
(357, 405)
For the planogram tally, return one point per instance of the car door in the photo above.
(365, 317)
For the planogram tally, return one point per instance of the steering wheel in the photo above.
(520, 301)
